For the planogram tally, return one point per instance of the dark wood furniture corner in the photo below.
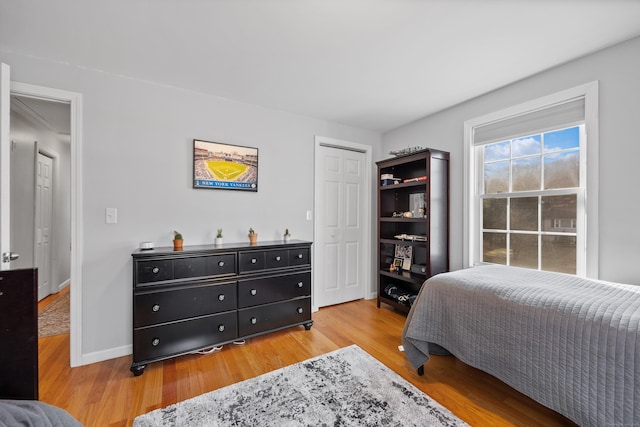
(206, 296)
(425, 172)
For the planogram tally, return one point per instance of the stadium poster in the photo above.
(224, 166)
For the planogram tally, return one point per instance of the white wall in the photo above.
(137, 157)
(617, 69)
(24, 135)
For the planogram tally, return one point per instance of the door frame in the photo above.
(322, 141)
(74, 100)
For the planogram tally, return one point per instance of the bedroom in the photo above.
(126, 120)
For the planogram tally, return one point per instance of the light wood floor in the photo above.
(107, 394)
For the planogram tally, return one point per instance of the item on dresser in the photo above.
(206, 296)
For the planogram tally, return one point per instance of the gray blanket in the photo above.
(570, 343)
(31, 413)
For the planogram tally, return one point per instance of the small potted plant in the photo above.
(177, 241)
(287, 236)
(253, 237)
(219, 237)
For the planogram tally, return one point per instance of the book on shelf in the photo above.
(416, 179)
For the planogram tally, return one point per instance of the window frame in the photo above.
(587, 240)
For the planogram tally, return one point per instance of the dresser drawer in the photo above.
(268, 317)
(184, 268)
(155, 270)
(271, 289)
(251, 261)
(171, 339)
(218, 265)
(277, 259)
(183, 302)
(299, 256)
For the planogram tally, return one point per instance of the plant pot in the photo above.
(177, 245)
(253, 239)
(218, 241)
(287, 237)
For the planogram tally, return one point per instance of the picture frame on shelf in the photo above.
(404, 253)
(417, 205)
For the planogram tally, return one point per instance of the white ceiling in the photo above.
(373, 64)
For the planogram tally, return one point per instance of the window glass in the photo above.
(526, 146)
(524, 250)
(497, 151)
(526, 174)
(494, 248)
(494, 214)
(559, 254)
(562, 139)
(524, 213)
(496, 177)
(562, 170)
(559, 213)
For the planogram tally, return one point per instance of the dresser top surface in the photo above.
(225, 247)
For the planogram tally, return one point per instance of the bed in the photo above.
(570, 343)
(35, 414)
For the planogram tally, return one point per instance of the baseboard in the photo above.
(371, 295)
(64, 284)
(101, 356)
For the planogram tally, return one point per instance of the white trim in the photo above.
(75, 104)
(111, 353)
(590, 92)
(366, 257)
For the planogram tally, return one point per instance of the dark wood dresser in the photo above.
(205, 296)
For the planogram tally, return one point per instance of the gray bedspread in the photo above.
(570, 343)
(31, 413)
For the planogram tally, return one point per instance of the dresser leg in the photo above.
(421, 370)
(137, 370)
(307, 326)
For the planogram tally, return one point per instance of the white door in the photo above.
(5, 169)
(340, 213)
(44, 190)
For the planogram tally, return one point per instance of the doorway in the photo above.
(74, 100)
(40, 190)
(342, 252)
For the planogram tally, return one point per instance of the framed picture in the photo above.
(224, 166)
(417, 205)
(404, 253)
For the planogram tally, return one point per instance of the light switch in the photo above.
(111, 216)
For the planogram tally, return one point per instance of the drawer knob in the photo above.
(221, 297)
(253, 260)
(221, 264)
(156, 307)
(300, 284)
(155, 270)
(254, 291)
(299, 256)
(155, 342)
(300, 310)
(278, 258)
(221, 328)
(253, 320)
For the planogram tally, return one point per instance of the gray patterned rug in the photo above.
(347, 387)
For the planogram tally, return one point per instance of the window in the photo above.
(529, 194)
(529, 169)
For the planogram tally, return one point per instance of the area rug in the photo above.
(347, 387)
(54, 318)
